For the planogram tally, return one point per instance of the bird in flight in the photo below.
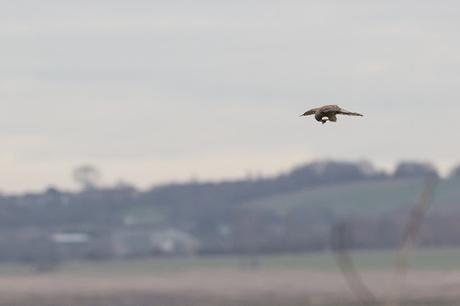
(328, 113)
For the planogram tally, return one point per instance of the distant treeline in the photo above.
(193, 217)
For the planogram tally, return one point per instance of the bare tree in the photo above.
(87, 176)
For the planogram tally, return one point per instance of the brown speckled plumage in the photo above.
(328, 113)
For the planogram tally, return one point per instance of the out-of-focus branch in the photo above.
(341, 240)
(410, 234)
(418, 213)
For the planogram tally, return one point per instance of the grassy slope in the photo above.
(371, 197)
(362, 198)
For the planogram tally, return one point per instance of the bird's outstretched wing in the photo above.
(330, 109)
(309, 112)
(345, 112)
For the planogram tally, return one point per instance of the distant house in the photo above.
(141, 242)
(173, 241)
(70, 238)
(72, 245)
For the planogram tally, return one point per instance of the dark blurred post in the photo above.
(410, 233)
(341, 238)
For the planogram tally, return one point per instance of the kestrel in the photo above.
(328, 112)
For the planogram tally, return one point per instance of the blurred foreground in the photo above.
(222, 244)
(433, 279)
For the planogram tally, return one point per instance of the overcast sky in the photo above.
(159, 91)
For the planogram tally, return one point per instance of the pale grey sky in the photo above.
(155, 91)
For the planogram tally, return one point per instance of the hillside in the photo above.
(375, 212)
(361, 198)
(292, 211)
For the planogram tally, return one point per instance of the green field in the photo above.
(419, 259)
(424, 259)
(289, 280)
